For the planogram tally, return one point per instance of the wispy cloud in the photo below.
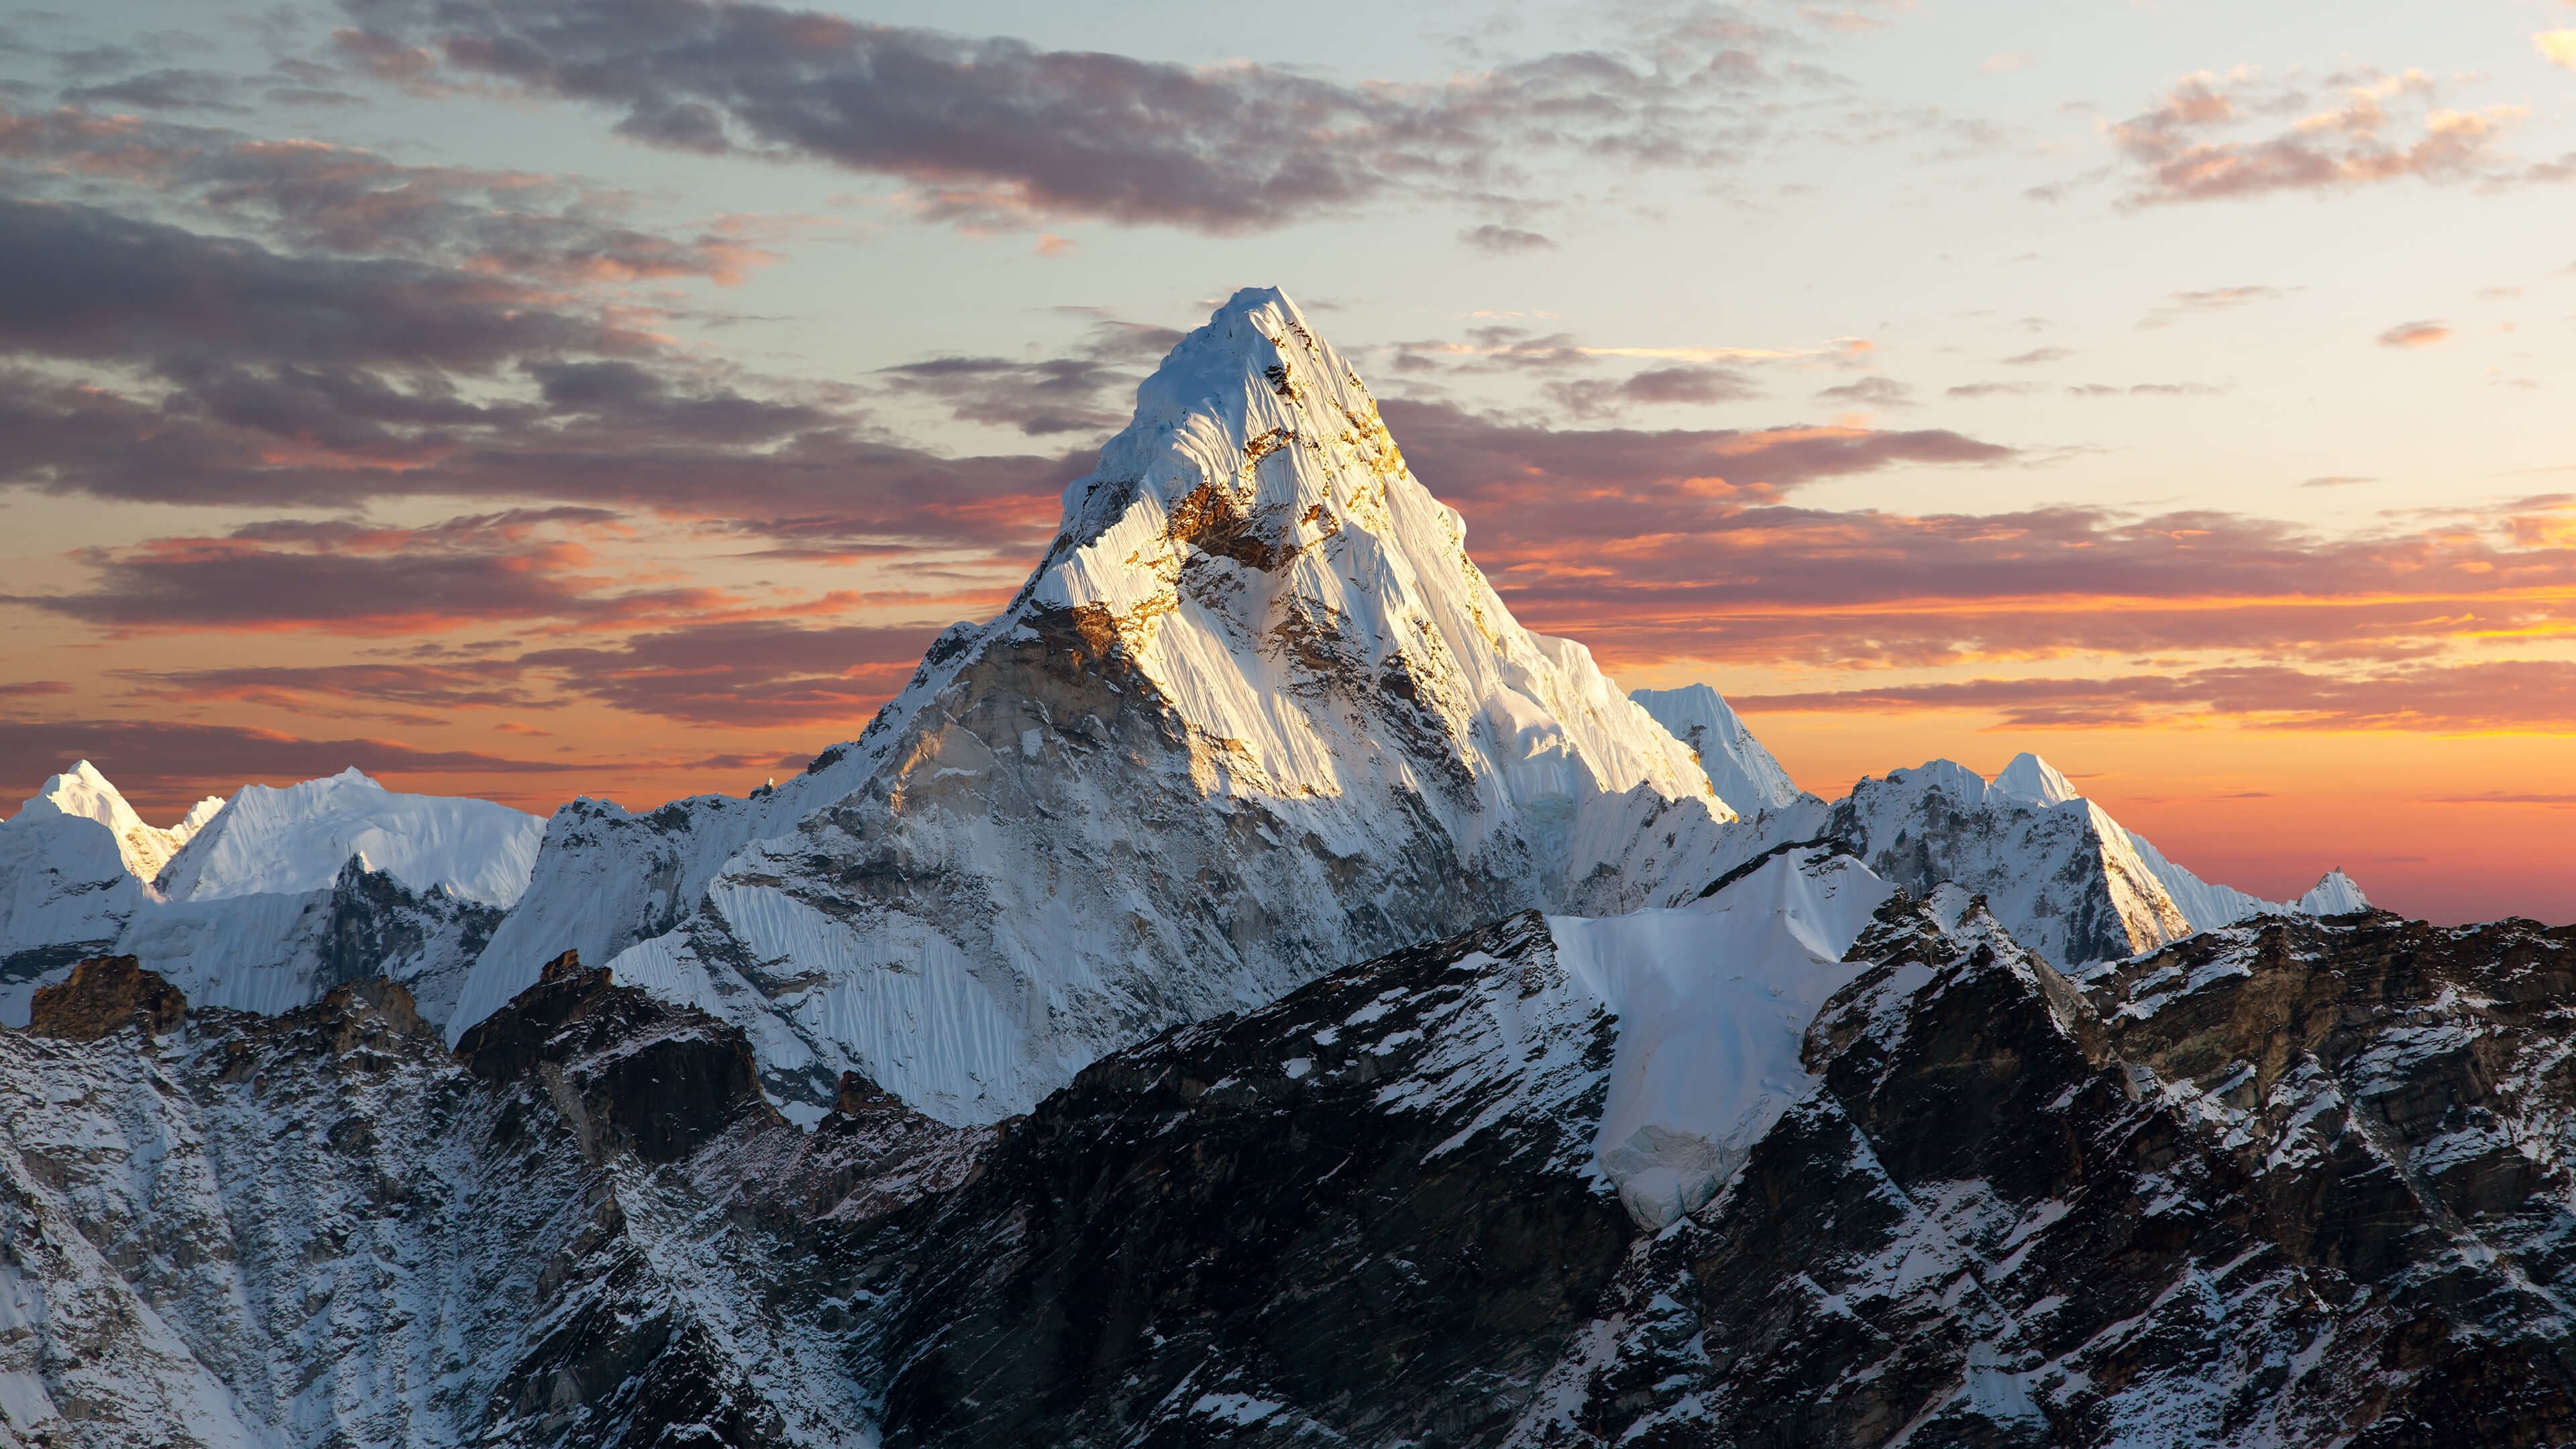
(2426, 333)
(2194, 145)
(2178, 305)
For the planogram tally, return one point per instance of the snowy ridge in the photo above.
(1743, 773)
(1255, 716)
(2058, 872)
(267, 841)
(265, 901)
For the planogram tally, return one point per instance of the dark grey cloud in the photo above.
(80, 282)
(440, 685)
(352, 578)
(986, 127)
(1687, 385)
(761, 673)
(306, 196)
(163, 766)
(1090, 391)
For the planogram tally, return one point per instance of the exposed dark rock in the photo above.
(631, 1073)
(106, 994)
(1356, 1214)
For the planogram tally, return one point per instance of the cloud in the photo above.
(1872, 392)
(2518, 696)
(2190, 147)
(2010, 60)
(164, 764)
(1504, 241)
(1647, 567)
(1992, 389)
(2178, 305)
(308, 195)
(2558, 47)
(2416, 334)
(221, 371)
(78, 282)
(1662, 386)
(167, 89)
(987, 130)
(1641, 480)
(752, 673)
(2145, 389)
(2336, 480)
(1085, 392)
(2039, 357)
(414, 684)
(350, 578)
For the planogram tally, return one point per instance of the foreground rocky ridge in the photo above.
(2297, 1181)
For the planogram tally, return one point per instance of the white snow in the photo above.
(2334, 894)
(1713, 1001)
(1742, 772)
(82, 793)
(267, 840)
(2031, 778)
(2064, 877)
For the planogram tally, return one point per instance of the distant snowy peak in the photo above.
(272, 841)
(82, 793)
(2058, 871)
(1743, 773)
(2334, 894)
(2031, 778)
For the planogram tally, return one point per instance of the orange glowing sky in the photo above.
(569, 398)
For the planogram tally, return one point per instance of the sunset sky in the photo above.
(532, 398)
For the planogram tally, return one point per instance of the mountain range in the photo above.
(1254, 990)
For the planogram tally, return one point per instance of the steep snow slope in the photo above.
(269, 841)
(1744, 774)
(1712, 1001)
(2064, 877)
(1255, 715)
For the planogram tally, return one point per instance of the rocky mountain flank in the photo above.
(2297, 1181)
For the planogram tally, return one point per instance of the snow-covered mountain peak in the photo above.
(272, 841)
(82, 793)
(2031, 778)
(1743, 773)
(1254, 545)
(1255, 715)
(2334, 894)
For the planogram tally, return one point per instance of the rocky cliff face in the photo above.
(2299, 1181)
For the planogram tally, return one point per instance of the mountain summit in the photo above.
(1256, 714)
